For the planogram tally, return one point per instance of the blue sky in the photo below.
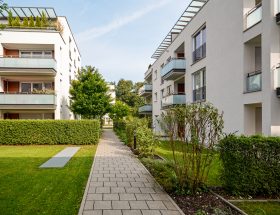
(116, 36)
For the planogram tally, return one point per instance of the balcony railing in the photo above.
(254, 81)
(12, 62)
(175, 99)
(146, 109)
(199, 94)
(146, 90)
(175, 68)
(199, 53)
(254, 16)
(27, 99)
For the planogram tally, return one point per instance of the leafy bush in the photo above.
(163, 173)
(200, 127)
(131, 125)
(28, 132)
(31, 22)
(146, 141)
(251, 165)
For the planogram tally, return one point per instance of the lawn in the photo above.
(260, 208)
(26, 189)
(164, 150)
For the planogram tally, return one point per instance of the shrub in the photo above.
(16, 22)
(200, 127)
(25, 22)
(10, 18)
(38, 23)
(146, 141)
(131, 125)
(251, 165)
(31, 22)
(51, 132)
(44, 21)
(163, 173)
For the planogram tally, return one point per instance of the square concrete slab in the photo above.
(61, 159)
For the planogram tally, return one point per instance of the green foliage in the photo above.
(3, 6)
(44, 20)
(90, 94)
(127, 92)
(251, 165)
(51, 132)
(146, 141)
(2, 26)
(10, 18)
(200, 127)
(16, 22)
(38, 22)
(163, 173)
(119, 110)
(31, 22)
(131, 125)
(25, 22)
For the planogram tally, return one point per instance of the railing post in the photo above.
(134, 140)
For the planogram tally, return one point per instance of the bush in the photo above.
(131, 125)
(28, 132)
(163, 173)
(251, 165)
(146, 141)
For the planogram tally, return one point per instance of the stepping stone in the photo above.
(61, 158)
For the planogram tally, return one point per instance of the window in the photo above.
(36, 54)
(199, 44)
(48, 86)
(26, 87)
(48, 54)
(155, 97)
(25, 54)
(37, 86)
(161, 81)
(162, 93)
(169, 90)
(199, 85)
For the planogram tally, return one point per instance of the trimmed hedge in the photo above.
(51, 132)
(251, 165)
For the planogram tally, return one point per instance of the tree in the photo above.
(38, 22)
(89, 94)
(25, 22)
(31, 22)
(127, 92)
(10, 18)
(119, 110)
(44, 21)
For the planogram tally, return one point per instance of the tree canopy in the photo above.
(3, 6)
(90, 94)
(119, 110)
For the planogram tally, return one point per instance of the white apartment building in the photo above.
(36, 66)
(224, 52)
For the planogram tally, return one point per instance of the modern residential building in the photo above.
(36, 65)
(226, 53)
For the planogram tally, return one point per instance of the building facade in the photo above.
(226, 53)
(37, 65)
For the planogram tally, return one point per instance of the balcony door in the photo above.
(181, 88)
(11, 86)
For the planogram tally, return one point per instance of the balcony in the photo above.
(174, 69)
(199, 94)
(17, 101)
(146, 109)
(146, 90)
(171, 100)
(254, 82)
(254, 16)
(27, 65)
(199, 53)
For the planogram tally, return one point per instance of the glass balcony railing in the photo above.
(174, 69)
(146, 90)
(27, 63)
(148, 108)
(27, 99)
(254, 82)
(254, 16)
(171, 100)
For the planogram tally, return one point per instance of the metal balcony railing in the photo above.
(199, 94)
(199, 53)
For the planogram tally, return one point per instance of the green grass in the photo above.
(164, 150)
(260, 208)
(26, 189)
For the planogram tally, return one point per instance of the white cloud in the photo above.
(96, 32)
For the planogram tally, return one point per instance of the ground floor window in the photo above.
(199, 85)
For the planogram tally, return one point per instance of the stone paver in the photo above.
(120, 185)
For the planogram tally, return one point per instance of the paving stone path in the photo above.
(120, 184)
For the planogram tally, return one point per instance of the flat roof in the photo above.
(193, 8)
(23, 12)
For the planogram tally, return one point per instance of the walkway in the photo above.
(120, 184)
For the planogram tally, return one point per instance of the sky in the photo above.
(116, 36)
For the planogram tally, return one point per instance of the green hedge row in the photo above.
(51, 132)
(251, 165)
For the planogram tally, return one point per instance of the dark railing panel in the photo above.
(199, 53)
